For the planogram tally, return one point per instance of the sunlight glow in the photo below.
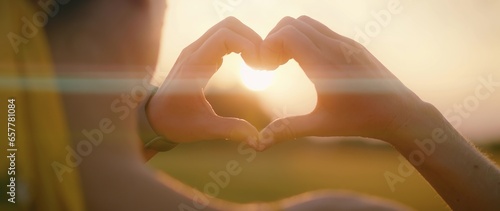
(436, 55)
(256, 80)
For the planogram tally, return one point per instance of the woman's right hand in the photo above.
(357, 95)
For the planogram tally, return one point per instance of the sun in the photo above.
(256, 80)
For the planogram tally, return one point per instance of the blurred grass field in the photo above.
(297, 167)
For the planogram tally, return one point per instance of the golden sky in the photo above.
(441, 49)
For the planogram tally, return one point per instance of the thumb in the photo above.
(285, 129)
(233, 129)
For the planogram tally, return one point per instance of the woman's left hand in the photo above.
(179, 110)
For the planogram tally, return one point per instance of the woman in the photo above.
(100, 52)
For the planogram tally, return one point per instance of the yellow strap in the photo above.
(41, 131)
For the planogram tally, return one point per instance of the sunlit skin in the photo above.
(342, 71)
(389, 112)
(118, 34)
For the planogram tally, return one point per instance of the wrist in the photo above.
(151, 113)
(425, 123)
(149, 136)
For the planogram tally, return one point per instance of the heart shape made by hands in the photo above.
(357, 95)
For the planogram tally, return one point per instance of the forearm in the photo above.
(461, 174)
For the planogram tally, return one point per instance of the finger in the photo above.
(343, 54)
(352, 45)
(204, 62)
(285, 129)
(327, 31)
(314, 35)
(233, 129)
(316, 31)
(272, 58)
(283, 22)
(230, 23)
(221, 43)
(335, 50)
(286, 43)
(197, 73)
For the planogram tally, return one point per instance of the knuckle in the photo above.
(288, 31)
(287, 19)
(222, 33)
(304, 17)
(354, 43)
(230, 21)
(296, 22)
(187, 50)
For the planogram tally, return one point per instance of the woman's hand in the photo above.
(357, 95)
(179, 110)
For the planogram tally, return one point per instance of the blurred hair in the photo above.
(64, 11)
(72, 7)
